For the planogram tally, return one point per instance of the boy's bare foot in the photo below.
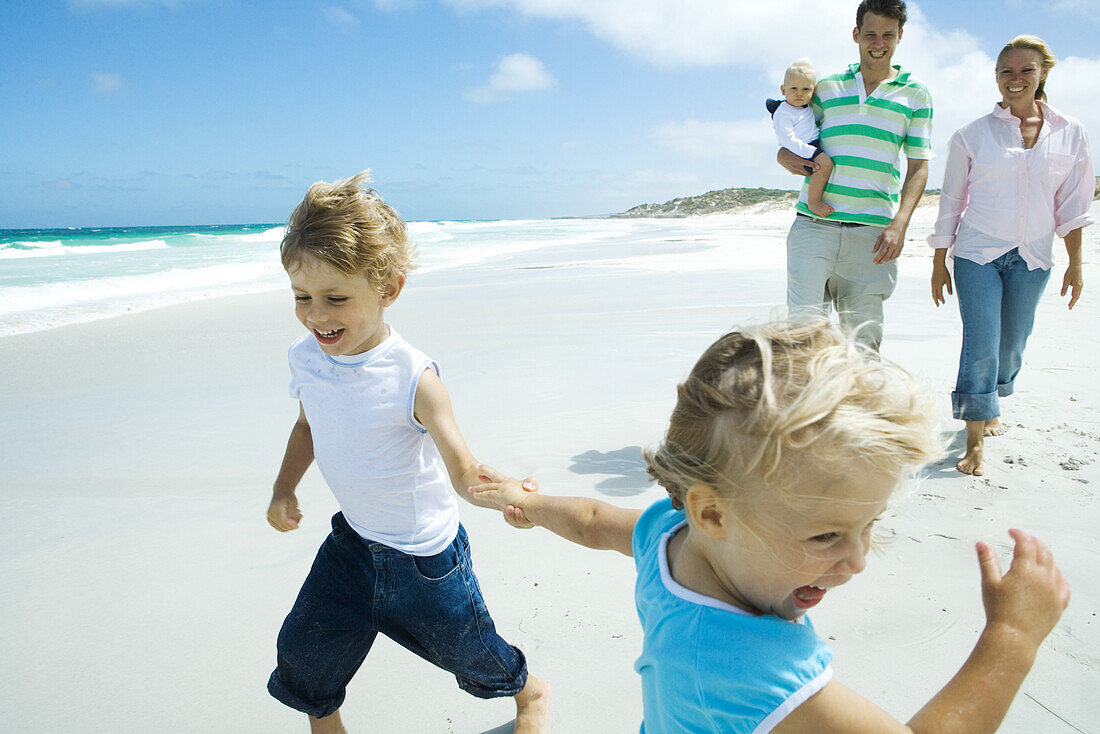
(820, 208)
(331, 724)
(994, 427)
(533, 707)
(971, 462)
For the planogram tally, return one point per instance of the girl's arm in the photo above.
(1073, 282)
(283, 513)
(591, 523)
(432, 408)
(1021, 609)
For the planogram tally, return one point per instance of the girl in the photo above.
(1014, 179)
(783, 449)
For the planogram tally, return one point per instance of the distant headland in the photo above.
(742, 199)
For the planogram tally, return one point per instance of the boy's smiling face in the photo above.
(343, 312)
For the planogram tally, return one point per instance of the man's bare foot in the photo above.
(820, 208)
(994, 427)
(533, 707)
(331, 724)
(971, 462)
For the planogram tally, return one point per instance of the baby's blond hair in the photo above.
(801, 68)
(350, 228)
(767, 407)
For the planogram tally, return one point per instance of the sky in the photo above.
(177, 112)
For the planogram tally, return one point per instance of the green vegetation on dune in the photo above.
(713, 202)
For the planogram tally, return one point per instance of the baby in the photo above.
(796, 128)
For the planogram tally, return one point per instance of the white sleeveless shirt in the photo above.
(379, 462)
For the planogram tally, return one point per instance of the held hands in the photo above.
(941, 277)
(283, 513)
(1073, 284)
(504, 493)
(1030, 598)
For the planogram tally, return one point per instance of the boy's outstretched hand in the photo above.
(283, 514)
(504, 493)
(1031, 597)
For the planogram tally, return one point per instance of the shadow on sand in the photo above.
(627, 463)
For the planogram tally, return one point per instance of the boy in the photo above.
(796, 129)
(377, 419)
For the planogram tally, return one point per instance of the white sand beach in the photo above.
(144, 588)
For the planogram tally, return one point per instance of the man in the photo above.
(869, 115)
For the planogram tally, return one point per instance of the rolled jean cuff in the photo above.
(284, 695)
(1005, 389)
(517, 682)
(970, 407)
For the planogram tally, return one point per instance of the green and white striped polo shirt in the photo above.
(865, 137)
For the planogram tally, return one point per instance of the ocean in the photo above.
(54, 277)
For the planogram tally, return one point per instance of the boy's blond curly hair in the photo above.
(770, 406)
(349, 227)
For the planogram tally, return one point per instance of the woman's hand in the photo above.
(941, 277)
(1073, 284)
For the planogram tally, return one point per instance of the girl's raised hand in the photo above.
(1031, 597)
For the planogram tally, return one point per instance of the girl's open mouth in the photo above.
(808, 596)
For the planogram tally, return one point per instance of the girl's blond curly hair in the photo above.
(770, 406)
(350, 228)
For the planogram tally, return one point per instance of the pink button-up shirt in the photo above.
(997, 195)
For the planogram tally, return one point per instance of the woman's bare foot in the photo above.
(820, 208)
(994, 427)
(533, 707)
(331, 724)
(971, 462)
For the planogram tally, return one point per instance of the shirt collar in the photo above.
(1049, 113)
(901, 77)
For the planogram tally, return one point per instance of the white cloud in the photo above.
(106, 82)
(339, 17)
(514, 74)
(694, 32)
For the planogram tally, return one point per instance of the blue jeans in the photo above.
(431, 605)
(997, 302)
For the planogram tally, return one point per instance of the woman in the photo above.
(1014, 179)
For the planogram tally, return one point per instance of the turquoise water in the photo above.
(53, 277)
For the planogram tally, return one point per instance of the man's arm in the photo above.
(889, 243)
(794, 164)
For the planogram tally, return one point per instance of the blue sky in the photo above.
(141, 112)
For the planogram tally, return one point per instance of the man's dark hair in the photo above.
(887, 8)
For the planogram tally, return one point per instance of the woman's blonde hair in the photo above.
(767, 406)
(350, 228)
(1032, 43)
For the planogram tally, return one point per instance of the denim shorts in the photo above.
(430, 605)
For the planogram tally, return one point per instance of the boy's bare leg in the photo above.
(994, 427)
(331, 724)
(818, 179)
(971, 463)
(533, 707)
